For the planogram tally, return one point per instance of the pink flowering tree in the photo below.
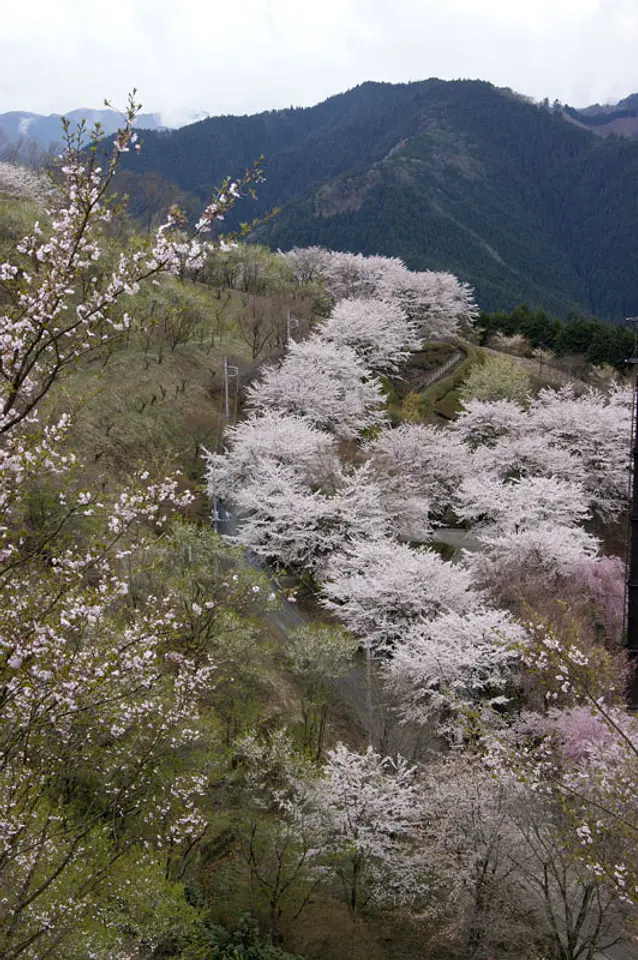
(291, 441)
(380, 589)
(21, 183)
(291, 500)
(286, 522)
(365, 812)
(379, 332)
(419, 468)
(503, 857)
(436, 304)
(578, 438)
(579, 751)
(453, 663)
(536, 475)
(526, 454)
(528, 524)
(348, 275)
(102, 684)
(595, 429)
(484, 422)
(601, 581)
(58, 311)
(325, 384)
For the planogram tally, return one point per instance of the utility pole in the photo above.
(230, 371)
(632, 572)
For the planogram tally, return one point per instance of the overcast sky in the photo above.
(191, 58)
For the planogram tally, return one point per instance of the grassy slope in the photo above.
(149, 400)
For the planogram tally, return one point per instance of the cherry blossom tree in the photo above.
(453, 662)
(58, 310)
(288, 440)
(580, 914)
(380, 589)
(419, 468)
(365, 812)
(96, 694)
(380, 333)
(361, 506)
(601, 581)
(595, 429)
(354, 275)
(18, 181)
(437, 303)
(544, 551)
(531, 523)
(471, 837)
(284, 521)
(326, 384)
(539, 473)
(579, 751)
(307, 264)
(579, 763)
(582, 438)
(523, 503)
(484, 422)
(504, 849)
(526, 455)
(102, 687)
(527, 832)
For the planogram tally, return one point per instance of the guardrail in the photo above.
(440, 372)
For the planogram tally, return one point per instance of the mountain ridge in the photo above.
(455, 175)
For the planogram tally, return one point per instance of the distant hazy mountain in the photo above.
(459, 175)
(620, 118)
(20, 126)
(628, 103)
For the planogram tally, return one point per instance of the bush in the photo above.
(244, 942)
(497, 378)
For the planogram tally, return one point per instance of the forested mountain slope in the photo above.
(456, 175)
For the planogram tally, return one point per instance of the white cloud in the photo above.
(196, 56)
